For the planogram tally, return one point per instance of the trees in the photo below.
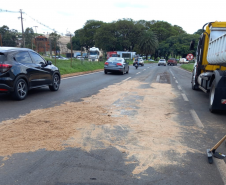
(29, 35)
(9, 37)
(75, 41)
(148, 43)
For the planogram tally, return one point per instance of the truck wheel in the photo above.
(212, 97)
(194, 86)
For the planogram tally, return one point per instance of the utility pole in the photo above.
(55, 53)
(32, 43)
(21, 17)
(50, 47)
(71, 50)
(1, 39)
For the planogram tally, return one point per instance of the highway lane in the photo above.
(108, 166)
(71, 89)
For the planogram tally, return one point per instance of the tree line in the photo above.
(156, 38)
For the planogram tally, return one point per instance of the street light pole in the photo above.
(71, 50)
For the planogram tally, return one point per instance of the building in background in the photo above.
(42, 44)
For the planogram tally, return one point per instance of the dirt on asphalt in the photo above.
(147, 116)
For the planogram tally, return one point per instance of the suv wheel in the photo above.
(55, 83)
(20, 90)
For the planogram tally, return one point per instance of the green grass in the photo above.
(188, 67)
(65, 66)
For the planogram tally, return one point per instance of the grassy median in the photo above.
(67, 67)
(188, 67)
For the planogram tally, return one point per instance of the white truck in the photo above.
(93, 54)
(183, 61)
(209, 73)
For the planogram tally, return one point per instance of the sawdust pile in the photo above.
(146, 114)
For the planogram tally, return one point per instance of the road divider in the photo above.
(81, 75)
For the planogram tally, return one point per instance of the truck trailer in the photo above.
(209, 72)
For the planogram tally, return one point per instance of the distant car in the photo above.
(162, 62)
(80, 58)
(62, 58)
(22, 69)
(116, 64)
(151, 60)
(172, 62)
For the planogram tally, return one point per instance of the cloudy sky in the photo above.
(70, 15)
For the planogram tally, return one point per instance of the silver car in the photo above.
(162, 62)
(116, 64)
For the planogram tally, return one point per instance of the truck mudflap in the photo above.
(218, 91)
(219, 102)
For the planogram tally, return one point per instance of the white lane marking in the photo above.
(137, 73)
(182, 69)
(184, 97)
(176, 81)
(158, 78)
(171, 72)
(221, 168)
(80, 75)
(179, 87)
(174, 77)
(144, 69)
(196, 119)
(126, 79)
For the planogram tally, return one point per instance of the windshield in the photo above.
(94, 52)
(114, 60)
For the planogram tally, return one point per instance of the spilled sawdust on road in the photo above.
(151, 131)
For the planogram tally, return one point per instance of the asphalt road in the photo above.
(74, 166)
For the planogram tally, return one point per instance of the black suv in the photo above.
(23, 69)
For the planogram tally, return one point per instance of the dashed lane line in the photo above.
(179, 87)
(221, 168)
(144, 69)
(176, 81)
(127, 79)
(184, 97)
(196, 118)
(158, 78)
(137, 73)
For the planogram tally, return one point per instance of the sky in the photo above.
(69, 15)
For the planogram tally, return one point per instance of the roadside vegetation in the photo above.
(66, 67)
(188, 67)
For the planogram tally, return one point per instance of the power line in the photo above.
(8, 11)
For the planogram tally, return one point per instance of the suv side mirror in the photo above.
(49, 63)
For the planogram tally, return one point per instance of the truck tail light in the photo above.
(5, 67)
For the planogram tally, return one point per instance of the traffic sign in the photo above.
(189, 57)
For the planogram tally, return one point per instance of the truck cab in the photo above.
(209, 72)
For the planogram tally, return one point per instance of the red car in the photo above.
(172, 62)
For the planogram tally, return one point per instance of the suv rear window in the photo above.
(2, 58)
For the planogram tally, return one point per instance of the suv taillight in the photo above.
(5, 67)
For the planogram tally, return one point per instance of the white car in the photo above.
(162, 62)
